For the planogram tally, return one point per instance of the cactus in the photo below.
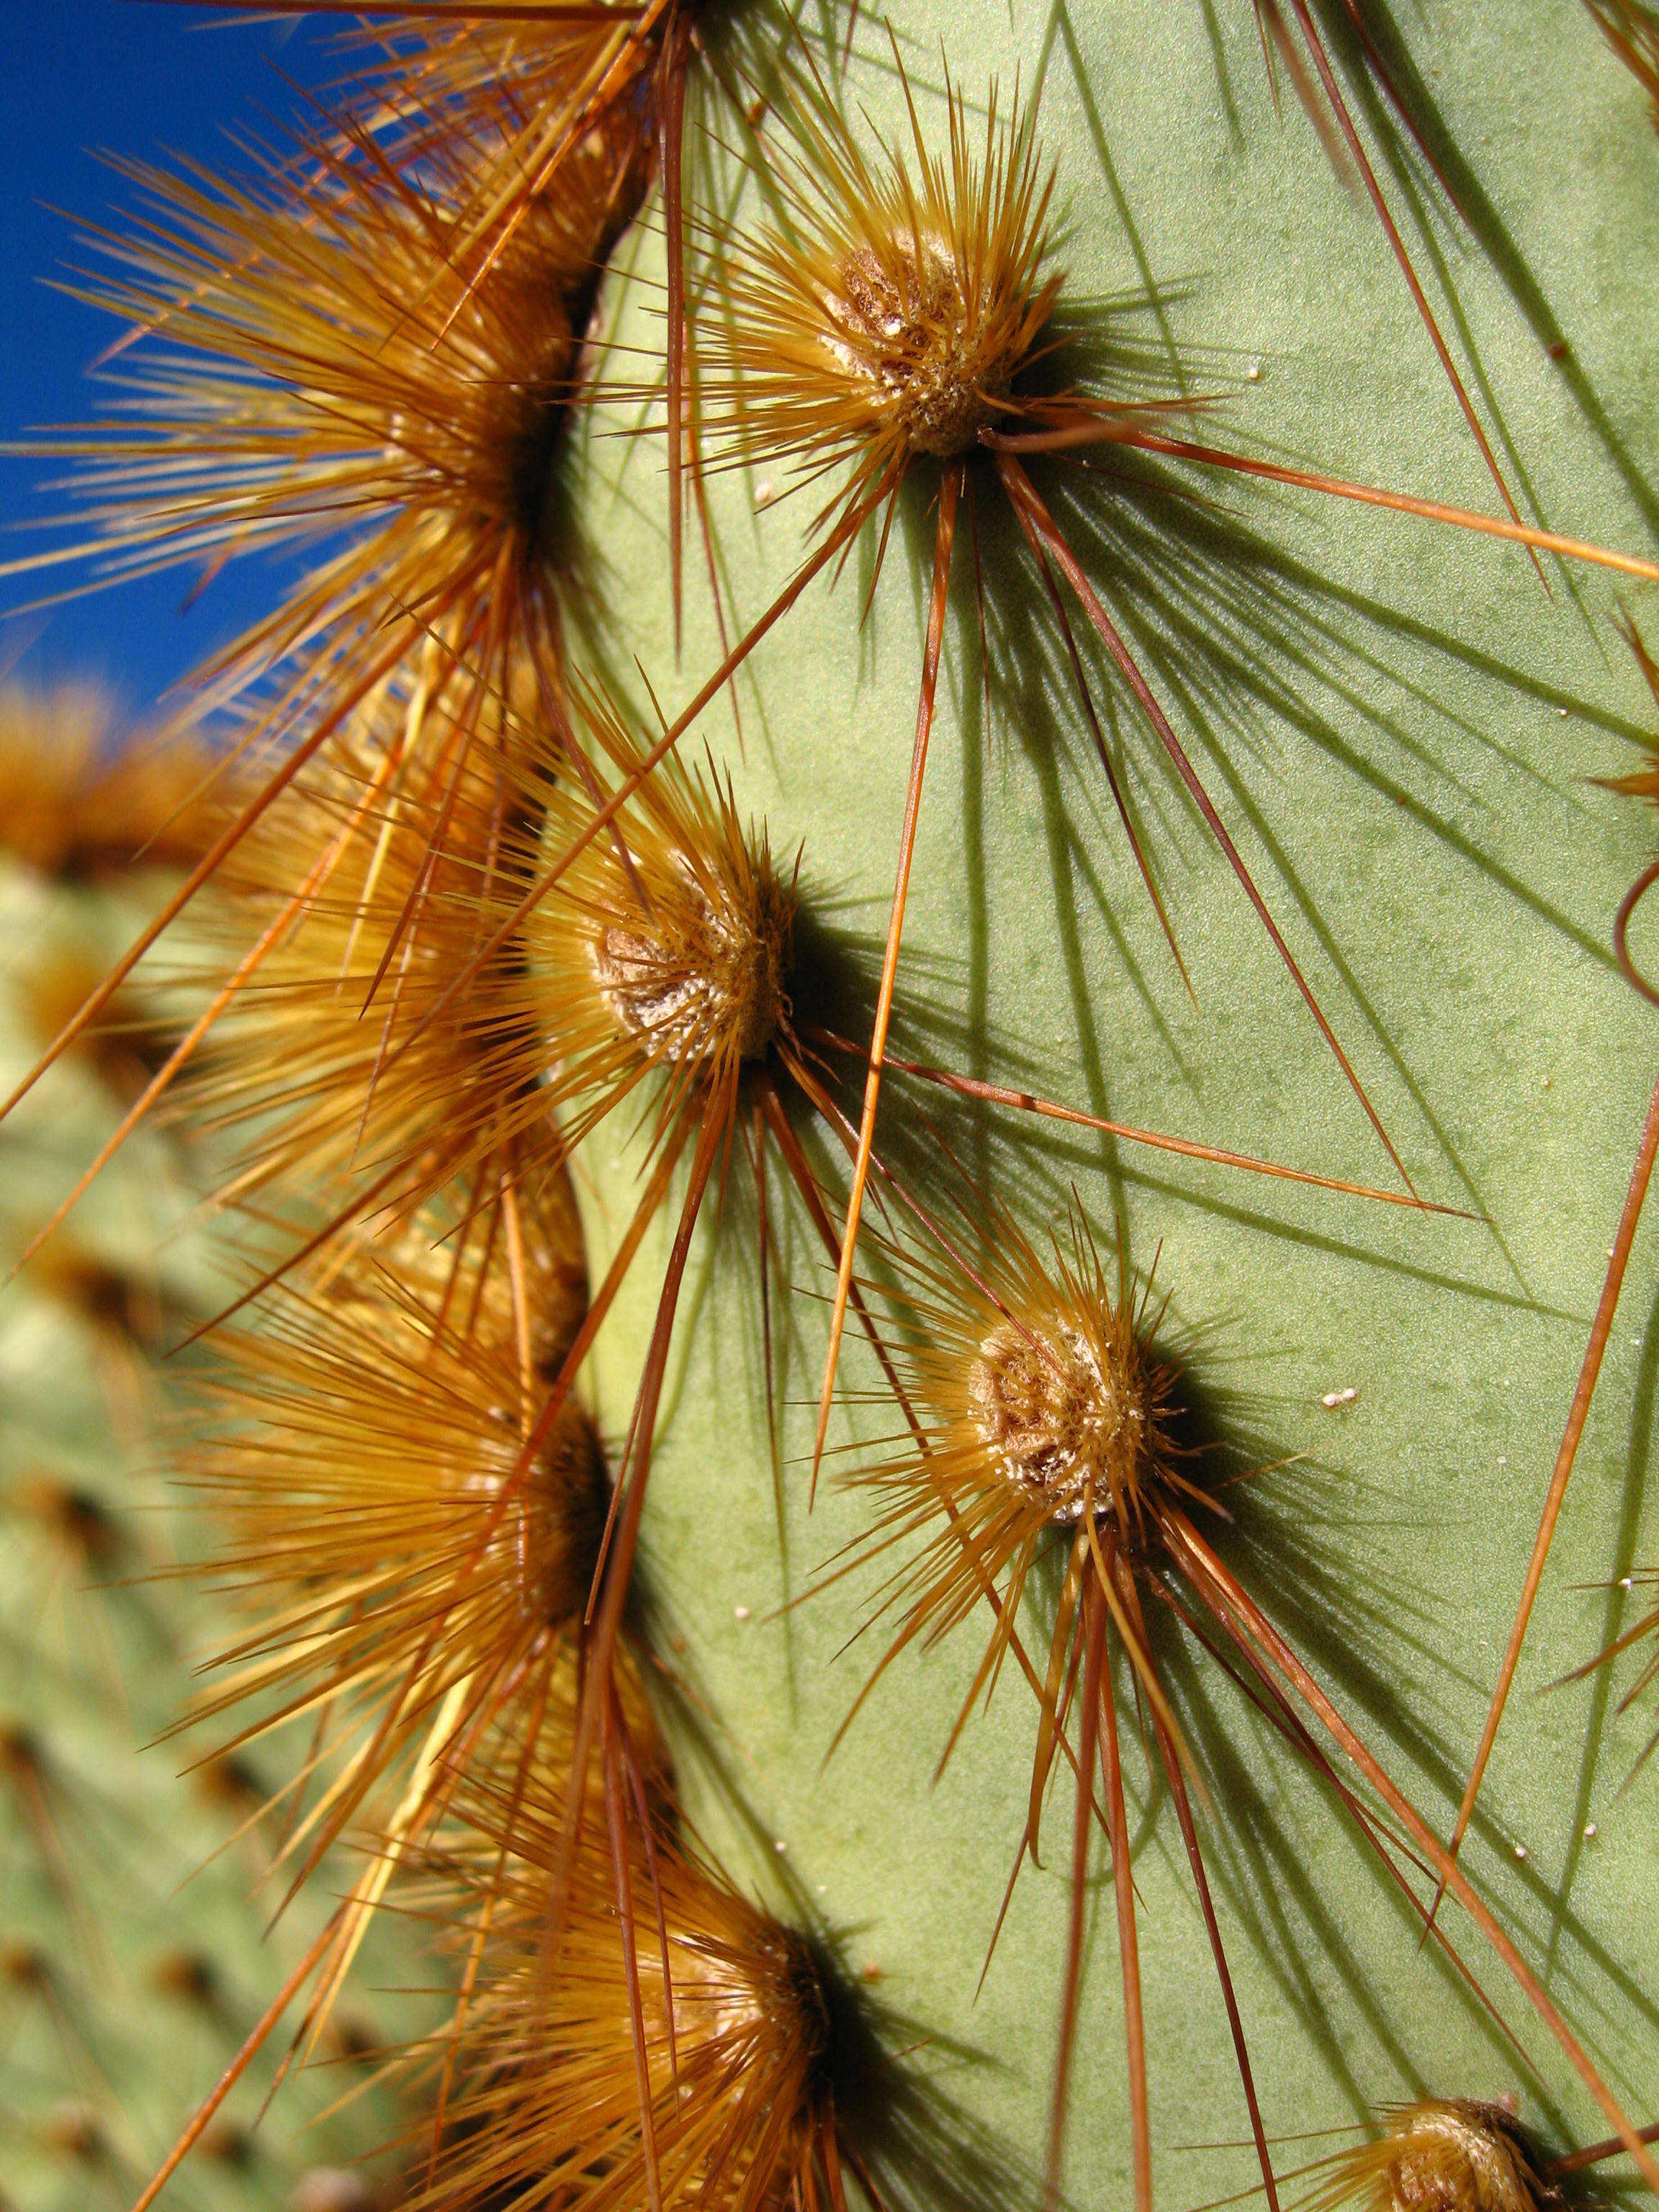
(1402, 725)
(135, 1896)
(1372, 731)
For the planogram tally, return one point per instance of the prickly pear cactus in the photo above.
(1399, 724)
(135, 1878)
(1397, 720)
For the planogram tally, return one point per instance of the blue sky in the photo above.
(138, 78)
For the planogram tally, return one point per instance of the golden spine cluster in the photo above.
(471, 907)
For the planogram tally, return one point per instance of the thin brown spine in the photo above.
(1561, 1474)
(945, 538)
